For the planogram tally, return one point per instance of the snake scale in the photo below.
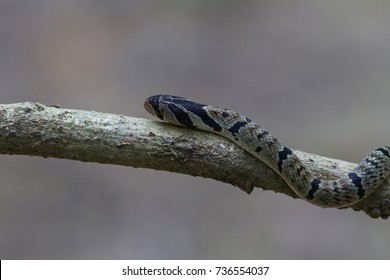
(345, 191)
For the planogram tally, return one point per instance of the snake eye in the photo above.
(158, 113)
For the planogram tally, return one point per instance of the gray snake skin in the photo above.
(345, 191)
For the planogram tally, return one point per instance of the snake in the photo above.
(345, 191)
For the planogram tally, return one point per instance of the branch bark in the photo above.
(35, 129)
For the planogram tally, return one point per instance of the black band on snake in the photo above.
(347, 190)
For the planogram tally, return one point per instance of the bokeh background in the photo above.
(314, 73)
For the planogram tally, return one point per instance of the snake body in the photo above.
(344, 191)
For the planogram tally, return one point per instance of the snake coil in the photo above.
(345, 191)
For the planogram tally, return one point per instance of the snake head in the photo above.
(152, 106)
(169, 108)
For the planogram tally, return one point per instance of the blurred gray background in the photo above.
(314, 73)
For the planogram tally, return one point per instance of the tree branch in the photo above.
(38, 130)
